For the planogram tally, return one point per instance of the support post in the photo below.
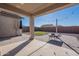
(31, 27)
(56, 26)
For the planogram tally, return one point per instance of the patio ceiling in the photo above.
(35, 9)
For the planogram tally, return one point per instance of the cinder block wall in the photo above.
(8, 26)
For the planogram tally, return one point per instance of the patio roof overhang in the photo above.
(35, 9)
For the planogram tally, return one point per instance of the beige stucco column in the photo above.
(32, 27)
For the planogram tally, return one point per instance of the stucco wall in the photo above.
(8, 26)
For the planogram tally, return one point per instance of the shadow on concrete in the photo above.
(18, 48)
(7, 38)
(3, 39)
(55, 42)
(69, 46)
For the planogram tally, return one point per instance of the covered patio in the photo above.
(33, 10)
(32, 46)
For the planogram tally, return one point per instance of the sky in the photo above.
(65, 17)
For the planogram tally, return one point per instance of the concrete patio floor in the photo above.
(6, 41)
(25, 47)
(70, 41)
(36, 48)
